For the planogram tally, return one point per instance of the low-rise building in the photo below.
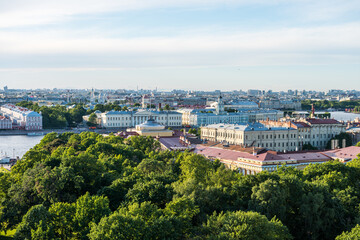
(151, 128)
(280, 104)
(126, 119)
(276, 135)
(323, 130)
(5, 123)
(262, 160)
(202, 117)
(21, 117)
(355, 134)
(253, 135)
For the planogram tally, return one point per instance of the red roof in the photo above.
(301, 124)
(322, 121)
(348, 153)
(344, 153)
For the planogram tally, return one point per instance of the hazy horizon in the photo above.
(191, 45)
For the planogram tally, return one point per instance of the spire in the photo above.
(220, 105)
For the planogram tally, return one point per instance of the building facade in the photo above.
(276, 135)
(322, 130)
(280, 104)
(253, 135)
(202, 117)
(21, 117)
(126, 119)
(5, 123)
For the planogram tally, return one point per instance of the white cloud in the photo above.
(33, 12)
(331, 38)
(317, 45)
(16, 13)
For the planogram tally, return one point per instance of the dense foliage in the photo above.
(86, 186)
(325, 104)
(57, 116)
(340, 137)
(61, 117)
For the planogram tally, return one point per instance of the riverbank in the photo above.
(46, 131)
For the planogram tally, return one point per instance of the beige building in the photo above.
(275, 135)
(152, 129)
(253, 135)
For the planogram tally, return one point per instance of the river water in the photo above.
(344, 116)
(17, 145)
(340, 116)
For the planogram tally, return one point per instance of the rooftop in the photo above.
(247, 127)
(322, 121)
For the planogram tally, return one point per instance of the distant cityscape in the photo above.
(278, 121)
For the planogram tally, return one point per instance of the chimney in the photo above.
(344, 143)
(332, 144)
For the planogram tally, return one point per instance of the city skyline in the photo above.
(191, 45)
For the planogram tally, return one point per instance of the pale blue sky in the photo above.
(195, 45)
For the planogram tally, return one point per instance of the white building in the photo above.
(322, 130)
(21, 117)
(202, 117)
(119, 119)
(5, 123)
(280, 104)
(241, 105)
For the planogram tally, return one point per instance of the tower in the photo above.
(92, 96)
(220, 106)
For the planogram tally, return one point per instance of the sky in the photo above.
(180, 44)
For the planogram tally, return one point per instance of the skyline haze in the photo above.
(192, 45)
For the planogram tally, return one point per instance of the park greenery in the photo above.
(87, 186)
(57, 116)
(62, 117)
(325, 104)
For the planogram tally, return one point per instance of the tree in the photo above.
(31, 221)
(353, 234)
(92, 119)
(89, 209)
(340, 137)
(167, 107)
(270, 198)
(244, 225)
(308, 146)
(137, 221)
(150, 191)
